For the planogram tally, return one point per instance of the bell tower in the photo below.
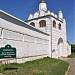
(42, 6)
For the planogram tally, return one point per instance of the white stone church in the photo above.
(44, 34)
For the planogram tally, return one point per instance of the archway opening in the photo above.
(54, 24)
(60, 41)
(33, 24)
(60, 47)
(59, 26)
(42, 23)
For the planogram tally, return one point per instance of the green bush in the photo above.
(73, 48)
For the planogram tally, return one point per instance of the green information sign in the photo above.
(7, 52)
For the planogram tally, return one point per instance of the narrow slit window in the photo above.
(59, 26)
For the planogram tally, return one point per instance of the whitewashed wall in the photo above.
(69, 48)
(56, 34)
(30, 44)
(46, 29)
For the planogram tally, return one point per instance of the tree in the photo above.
(73, 48)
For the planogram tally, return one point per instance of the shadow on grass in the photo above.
(10, 69)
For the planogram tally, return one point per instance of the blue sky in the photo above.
(22, 8)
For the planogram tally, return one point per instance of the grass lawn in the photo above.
(72, 55)
(45, 66)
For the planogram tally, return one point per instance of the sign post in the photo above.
(7, 52)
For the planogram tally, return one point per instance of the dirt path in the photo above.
(71, 61)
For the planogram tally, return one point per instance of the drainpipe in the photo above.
(51, 37)
(2, 33)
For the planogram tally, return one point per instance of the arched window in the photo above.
(42, 23)
(54, 24)
(59, 26)
(32, 23)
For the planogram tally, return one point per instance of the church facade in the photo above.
(54, 25)
(44, 34)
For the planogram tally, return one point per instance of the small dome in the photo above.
(60, 11)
